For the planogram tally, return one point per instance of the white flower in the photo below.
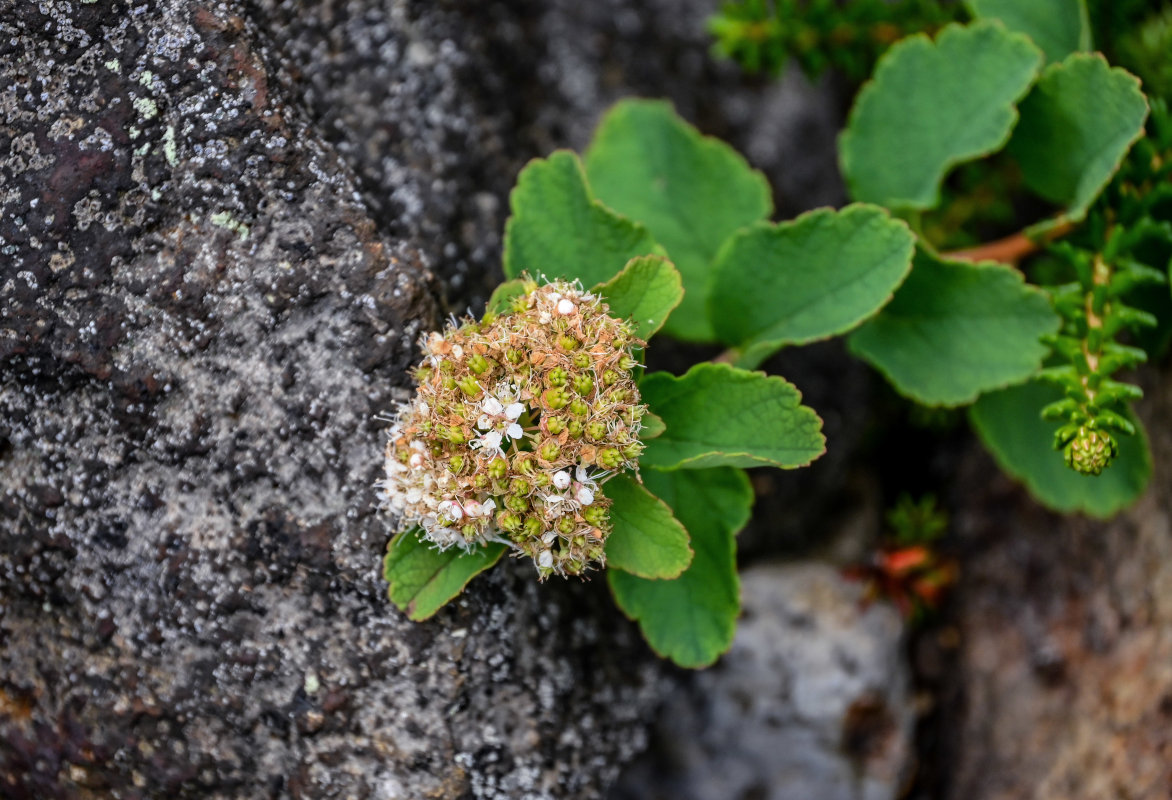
(561, 479)
(451, 509)
(484, 423)
(585, 496)
(566, 307)
(515, 410)
(514, 431)
(582, 475)
(492, 406)
(416, 460)
(545, 559)
(489, 442)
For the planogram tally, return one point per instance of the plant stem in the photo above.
(1012, 249)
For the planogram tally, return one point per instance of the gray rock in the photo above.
(199, 321)
(812, 701)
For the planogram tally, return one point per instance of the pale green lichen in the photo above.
(224, 219)
(169, 146)
(146, 107)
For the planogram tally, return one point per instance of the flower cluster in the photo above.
(517, 421)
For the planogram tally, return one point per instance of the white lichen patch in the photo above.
(146, 107)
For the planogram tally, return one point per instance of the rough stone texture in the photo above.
(1066, 641)
(811, 702)
(199, 320)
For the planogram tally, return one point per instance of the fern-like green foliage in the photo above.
(1125, 245)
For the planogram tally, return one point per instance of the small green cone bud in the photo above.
(565, 526)
(454, 435)
(581, 360)
(609, 458)
(498, 468)
(470, 531)
(632, 451)
(524, 464)
(480, 480)
(575, 428)
(514, 357)
(456, 463)
(516, 502)
(610, 377)
(1090, 451)
(555, 398)
(557, 376)
(626, 363)
(596, 431)
(555, 425)
(449, 382)
(549, 450)
(568, 343)
(579, 408)
(478, 364)
(583, 385)
(519, 486)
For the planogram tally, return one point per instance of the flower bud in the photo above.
(555, 398)
(583, 384)
(579, 408)
(609, 458)
(549, 450)
(555, 425)
(478, 364)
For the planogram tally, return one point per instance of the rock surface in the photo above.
(1065, 666)
(199, 320)
(812, 701)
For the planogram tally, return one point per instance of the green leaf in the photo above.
(653, 427)
(645, 292)
(718, 415)
(503, 295)
(931, 106)
(1076, 126)
(558, 230)
(690, 190)
(1010, 424)
(646, 540)
(814, 277)
(422, 579)
(1059, 27)
(955, 330)
(692, 619)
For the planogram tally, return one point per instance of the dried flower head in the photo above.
(517, 422)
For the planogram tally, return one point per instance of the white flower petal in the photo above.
(585, 496)
(545, 559)
(566, 307)
(561, 479)
(514, 431)
(515, 410)
(492, 406)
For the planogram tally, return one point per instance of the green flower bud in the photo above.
(456, 463)
(579, 408)
(470, 531)
(595, 515)
(610, 377)
(524, 464)
(423, 374)
(478, 364)
(519, 486)
(565, 526)
(568, 343)
(449, 382)
(514, 357)
(557, 376)
(555, 398)
(626, 363)
(516, 502)
(549, 450)
(609, 458)
(581, 360)
(453, 435)
(575, 428)
(532, 528)
(469, 386)
(583, 384)
(632, 451)
(480, 480)
(596, 431)
(555, 425)
(498, 468)
(509, 521)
